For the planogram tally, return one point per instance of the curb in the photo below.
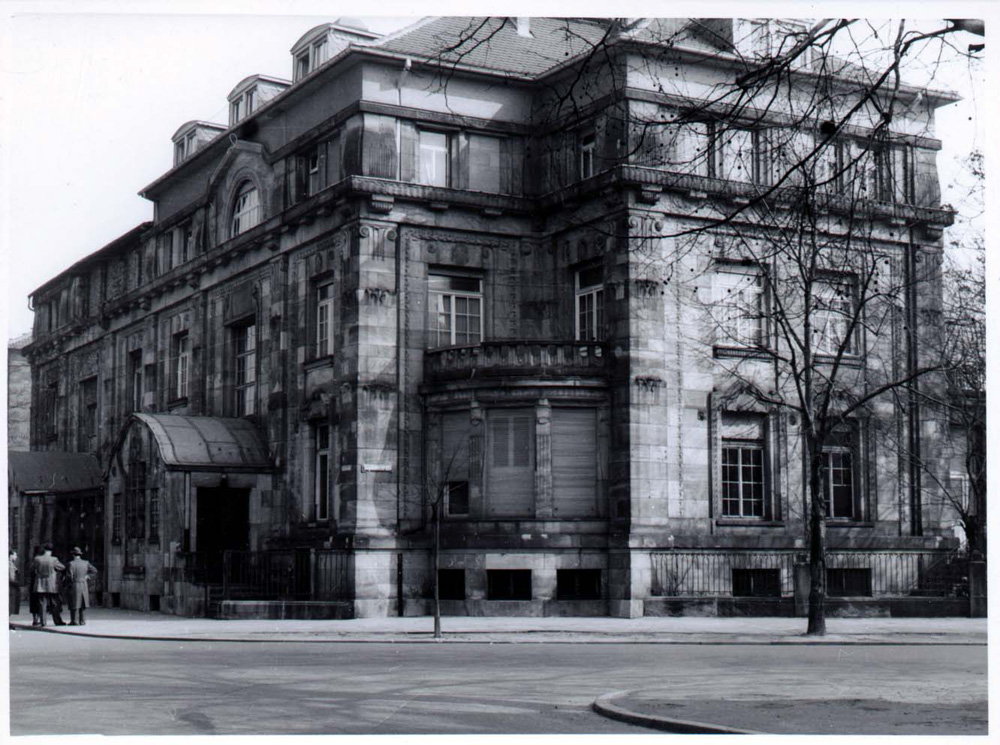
(604, 706)
(522, 637)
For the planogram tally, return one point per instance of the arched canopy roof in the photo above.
(207, 443)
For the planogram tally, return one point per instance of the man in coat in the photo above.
(80, 572)
(46, 568)
(15, 588)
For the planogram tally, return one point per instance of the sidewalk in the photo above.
(104, 622)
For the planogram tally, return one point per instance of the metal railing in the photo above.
(692, 573)
(686, 573)
(285, 574)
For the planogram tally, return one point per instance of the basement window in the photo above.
(578, 584)
(508, 584)
(850, 582)
(757, 583)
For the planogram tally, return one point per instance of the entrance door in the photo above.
(223, 525)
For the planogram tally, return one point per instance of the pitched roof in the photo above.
(493, 43)
(53, 472)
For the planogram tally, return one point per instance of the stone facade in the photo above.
(421, 292)
(18, 395)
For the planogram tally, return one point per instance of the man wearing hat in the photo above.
(80, 571)
(45, 569)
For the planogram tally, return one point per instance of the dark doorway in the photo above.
(223, 525)
(79, 522)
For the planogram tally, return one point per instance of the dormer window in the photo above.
(184, 147)
(242, 105)
(311, 57)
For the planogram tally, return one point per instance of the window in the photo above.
(87, 441)
(154, 514)
(312, 173)
(456, 310)
(455, 462)
(757, 583)
(184, 147)
(451, 584)
(180, 355)
(508, 584)
(734, 150)
(578, 584)
(135, 491)
(484, 163)
(743, 465)
(587, 147)
(321, 490)
(324, 320)
(457, 498)
(116, 518)
(434, 156)
(838, 482)
(833, 311)
(590, 304)
(510, 473)
(848, 582)
(575, 462)
(246, 209)
(183, 243)
(302, 65)
(319, 49)
(164, 254)
(244, 341)
(135, 379)
(739, 307)
(236, 110)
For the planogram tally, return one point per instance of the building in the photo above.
(412, 276)
(18, 394)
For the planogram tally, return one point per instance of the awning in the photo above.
(53, 472)
(204, 442)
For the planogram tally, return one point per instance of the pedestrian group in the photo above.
(49, 581)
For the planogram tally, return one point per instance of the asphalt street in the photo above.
(63, 684)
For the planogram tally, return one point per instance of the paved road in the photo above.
(123, 687)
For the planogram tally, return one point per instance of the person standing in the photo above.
(80, 572)
(14, 597)
(46, 570)
(34, 599)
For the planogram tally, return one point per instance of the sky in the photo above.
(93, 90)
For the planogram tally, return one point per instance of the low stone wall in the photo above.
(278, 610)
(903, 607)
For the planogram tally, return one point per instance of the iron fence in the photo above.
(691, 573)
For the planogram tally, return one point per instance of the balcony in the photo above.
(545, 360)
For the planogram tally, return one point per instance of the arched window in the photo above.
(246, 209)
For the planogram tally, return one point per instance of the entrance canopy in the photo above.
(52, 472)
(204, 442)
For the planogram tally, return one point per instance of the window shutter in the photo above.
(507, 166)
(510, 488)
(574, 462)
(408, 151)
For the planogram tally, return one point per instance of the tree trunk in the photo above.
(437, 554)
(817, 545)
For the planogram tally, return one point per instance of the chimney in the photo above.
(524, 27)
